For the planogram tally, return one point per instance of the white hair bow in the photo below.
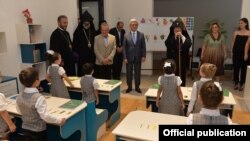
(167, 64)
(218, 85)
(51, 52)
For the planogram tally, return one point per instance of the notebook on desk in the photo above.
(72, 104)
(155, 86)
(72, 78)
(112, 82)
(225, 92)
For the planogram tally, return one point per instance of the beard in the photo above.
(86, 26)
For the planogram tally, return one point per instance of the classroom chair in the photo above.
(95, 121)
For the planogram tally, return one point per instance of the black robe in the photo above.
(172, 45)
(80, 46)
(59, 42)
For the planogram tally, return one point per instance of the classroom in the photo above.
(132, 48)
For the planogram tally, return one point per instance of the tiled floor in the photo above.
(135, 101)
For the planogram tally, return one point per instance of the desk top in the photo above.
(186, 91)
(53, 107)
(143, 125)
(102, 82)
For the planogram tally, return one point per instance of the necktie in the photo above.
(134, 38)
(119, 34)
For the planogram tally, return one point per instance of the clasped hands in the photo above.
(178, 35)
(105, 61)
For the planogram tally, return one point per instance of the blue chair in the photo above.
(94, 121)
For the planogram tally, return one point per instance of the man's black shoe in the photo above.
(128, 90)
(138, 90)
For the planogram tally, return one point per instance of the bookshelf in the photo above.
(33, 53)
(29, 33)
(32, 47)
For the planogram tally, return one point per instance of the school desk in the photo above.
(109, 96)
(143, 125)
(75, 117)
(151, 94)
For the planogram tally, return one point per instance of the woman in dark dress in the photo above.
(238, 51)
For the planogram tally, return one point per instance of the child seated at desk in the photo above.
(211, 95)
(89, 84)
(55, 75)
(6, 124)
(171, 101)
(207, 72)
(32, 105)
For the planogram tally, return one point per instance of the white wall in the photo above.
(245, 12)
(44, 12)
(126, 9)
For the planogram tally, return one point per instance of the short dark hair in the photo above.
(211, 95)
(119, 22)
(61, 17)
(28, 76)
(171, 69)
(87, 68)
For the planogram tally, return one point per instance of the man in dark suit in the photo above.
(60, 42)
(118, 32)
(134, 54)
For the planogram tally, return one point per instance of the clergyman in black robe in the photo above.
(178, 44)
(83, 41)
(60, 42)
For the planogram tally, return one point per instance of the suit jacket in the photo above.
(102, 51)
(134, 52)
(114, 32)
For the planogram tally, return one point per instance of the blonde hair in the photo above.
(217, 24)
(208, 70)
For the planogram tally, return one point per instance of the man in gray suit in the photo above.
(134, 54)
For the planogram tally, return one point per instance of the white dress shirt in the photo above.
(168, 75)
(194, 94)
(95, 84)
(41, 107)
(209, 112)
(61, 70)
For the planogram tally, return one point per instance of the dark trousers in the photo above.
(240, 70)
(102, 71)
(35, 136)
(117, 66)
(136, 66)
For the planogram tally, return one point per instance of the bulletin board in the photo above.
(156, 30)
